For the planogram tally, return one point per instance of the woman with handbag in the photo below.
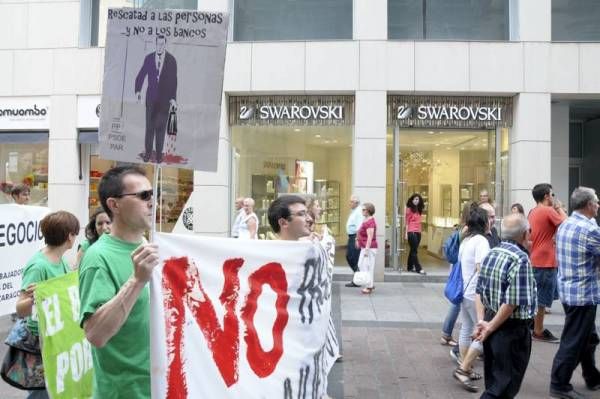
(60, 229)
(366, 240)
(473, 249)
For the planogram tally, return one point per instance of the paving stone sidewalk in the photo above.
(390, 343)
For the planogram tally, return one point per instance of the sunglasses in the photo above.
(145, 195)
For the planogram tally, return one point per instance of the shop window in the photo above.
(174, 186)
(94, 14)
(24, 163)
(575, 139)
(256, 20)
(448, 20)
(575, 20)
(273, 160)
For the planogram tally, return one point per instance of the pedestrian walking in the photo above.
(366, 240)
(248, 227)
(472, 251)
(454, 309)
(577, 252)
(506, 303)
(237, 217)
(99, 224)
(517, 208)
(544, 220)
(60, 230)
(492, 233)
(413, 215)
(113, 277)
(352, 225)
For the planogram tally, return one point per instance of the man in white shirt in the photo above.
(352, 225)
(239, 214)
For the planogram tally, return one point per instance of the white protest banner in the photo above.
(20, 238)
(240, 319)
(163, 79)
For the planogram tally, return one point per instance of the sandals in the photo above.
(366, 290)
(464, 378)
(449, 341)
(474, 375)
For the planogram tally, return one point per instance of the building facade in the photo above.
(380, 99)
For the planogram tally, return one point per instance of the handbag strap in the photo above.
(471, 279)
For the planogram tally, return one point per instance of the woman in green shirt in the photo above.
(60, 230)
(99, 224)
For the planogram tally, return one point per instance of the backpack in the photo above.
(450, 247)
(454, 286)
(455, 289)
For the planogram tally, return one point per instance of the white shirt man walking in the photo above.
(352, 225)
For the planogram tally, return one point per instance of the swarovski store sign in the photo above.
(291, 110)
(449, 112)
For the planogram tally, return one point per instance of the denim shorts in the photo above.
(545, 279)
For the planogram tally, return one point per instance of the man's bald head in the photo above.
(515, 227)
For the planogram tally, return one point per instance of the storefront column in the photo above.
(560, 151)
(368, 163)
(211, 189)
(530, 146)
(65, 190)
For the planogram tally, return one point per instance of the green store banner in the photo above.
(67, 355)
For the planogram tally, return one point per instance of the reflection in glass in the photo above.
(24, 163)
(310, 160)
(575, 20)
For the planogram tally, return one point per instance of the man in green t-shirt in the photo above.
(113, 288)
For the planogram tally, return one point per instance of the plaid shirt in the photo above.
(577, 250)
(506, 276)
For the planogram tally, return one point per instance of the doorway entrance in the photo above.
(449, 168)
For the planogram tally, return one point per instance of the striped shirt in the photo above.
(506, 277)
(577, 251)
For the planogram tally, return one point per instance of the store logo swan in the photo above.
(246, 112)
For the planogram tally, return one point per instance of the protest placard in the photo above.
(66, 353)
(20, 238)
(163, 79)
(240, 319)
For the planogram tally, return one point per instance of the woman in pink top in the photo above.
(367, 242)
(414, 209)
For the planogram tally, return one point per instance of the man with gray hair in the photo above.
(506, 303)
(352, 225)
(577, 252)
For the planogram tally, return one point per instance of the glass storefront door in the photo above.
(448, 168)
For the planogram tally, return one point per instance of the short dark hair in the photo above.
(90, 229)
(519, 208)
(19, 189)
(369, 207)
(280, 208)
(163, 37)
(111, 184)
(478, 221)
(57, 226)
(540, 190)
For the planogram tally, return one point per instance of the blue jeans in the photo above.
(450, 319)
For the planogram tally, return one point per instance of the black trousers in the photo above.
(577, 345)
(414, 239)
(157, 116)
(352, 253)
(506, 356)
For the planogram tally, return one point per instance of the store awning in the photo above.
(23, 137)
(88, 137)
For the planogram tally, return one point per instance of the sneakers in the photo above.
(572, 394)
(455, 355)
(546, 336)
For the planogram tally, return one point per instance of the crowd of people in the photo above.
(510, 284)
